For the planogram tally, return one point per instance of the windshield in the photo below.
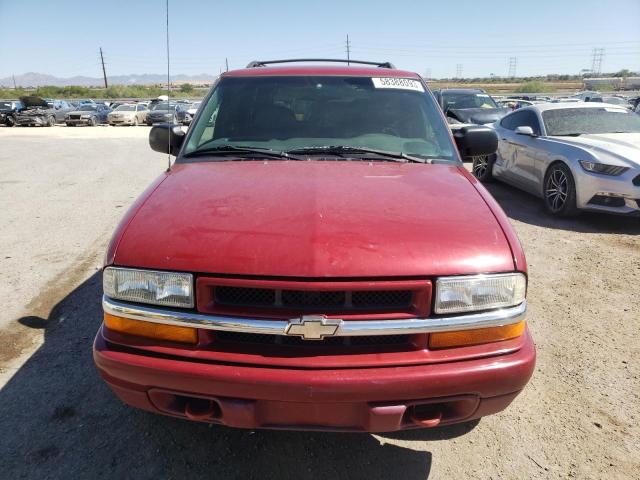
(467, 100)
(302, 112)
(163, 106)
(126, 108)
(5, 106)
(87, 108)
(571, 121)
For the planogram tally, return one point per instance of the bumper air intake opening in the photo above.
(192, 407)
(434, 412)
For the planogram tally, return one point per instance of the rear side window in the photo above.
(523, 118)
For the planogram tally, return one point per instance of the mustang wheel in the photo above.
(482, 167)
(560, 191)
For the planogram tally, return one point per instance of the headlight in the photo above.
(85, 116)
(602, 168)
(479, 292)
(147, 286)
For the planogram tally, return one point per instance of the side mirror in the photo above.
(523, 130)
(476, 140)
(166, 138)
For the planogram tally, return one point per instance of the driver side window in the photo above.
(523, 118)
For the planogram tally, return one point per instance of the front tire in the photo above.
(135, 121)
(92, 122)
(482, 167)
(51, 121)
(560, 191)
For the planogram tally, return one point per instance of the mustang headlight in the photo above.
(168, 289)
(479, 292)
(603, 168)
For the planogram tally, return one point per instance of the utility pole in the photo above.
(596, 60)
(226, 61)
(513, 63)
(104, 72)
(348, 50)
(458, 70)
(14, 82)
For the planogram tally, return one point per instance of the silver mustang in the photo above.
(577, 156)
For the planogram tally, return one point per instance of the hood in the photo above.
(315, 220)
(124, 113)
(82, 112)
(625, 147)
(34, 101)
(478, 115)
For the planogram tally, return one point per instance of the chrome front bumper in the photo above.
(345, 328)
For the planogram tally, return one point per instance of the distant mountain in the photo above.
(32, 79)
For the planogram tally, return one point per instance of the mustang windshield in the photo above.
(576, 121)
(306, 112)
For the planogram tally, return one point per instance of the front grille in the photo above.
(607, 201)
(262, 339)
(313, 300)
(636, 181)
(74, 117)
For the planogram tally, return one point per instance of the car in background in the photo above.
(128, 114)
(469, 106)
(185, 117)
(305, 260)
(580, 156)
(90, 114)
(615, 100)
(8, 110)
(38, 111)
(164, 112)
(516, 103)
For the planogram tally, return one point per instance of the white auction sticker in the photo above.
(401, 83)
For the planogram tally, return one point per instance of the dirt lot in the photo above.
(62, 192)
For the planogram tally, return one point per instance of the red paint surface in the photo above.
(373, 399)
(316, 220)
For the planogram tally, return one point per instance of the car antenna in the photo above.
(168, 87)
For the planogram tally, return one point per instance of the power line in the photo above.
(104, 71)
(513, 63)
(226, 61)
(459, 70)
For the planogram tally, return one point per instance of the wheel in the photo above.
(560, 191)
(69, 124)
(92, 122)
(11, 122)
(51, 121)
(135, 121)
(482, 167)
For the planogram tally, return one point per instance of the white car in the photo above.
(576, 156)
(128, 114)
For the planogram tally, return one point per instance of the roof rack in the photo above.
(264, 63)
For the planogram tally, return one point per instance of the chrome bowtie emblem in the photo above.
(313, 327)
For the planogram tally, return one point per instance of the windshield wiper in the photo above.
(236, 149)
(342, 149)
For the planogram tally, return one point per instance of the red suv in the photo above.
(317, 257)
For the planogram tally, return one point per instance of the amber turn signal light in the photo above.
(151, 330)
(475, 336)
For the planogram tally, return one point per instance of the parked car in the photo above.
(129, 114)
(469, 105)
(42, 112)
(184, 117)
(580, 156)
(90, 114)
(515, 103)
(316, 258)
(164, 112)
(8, 110)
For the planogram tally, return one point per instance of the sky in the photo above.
(433, 38)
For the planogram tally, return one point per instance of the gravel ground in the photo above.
(62, 192)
